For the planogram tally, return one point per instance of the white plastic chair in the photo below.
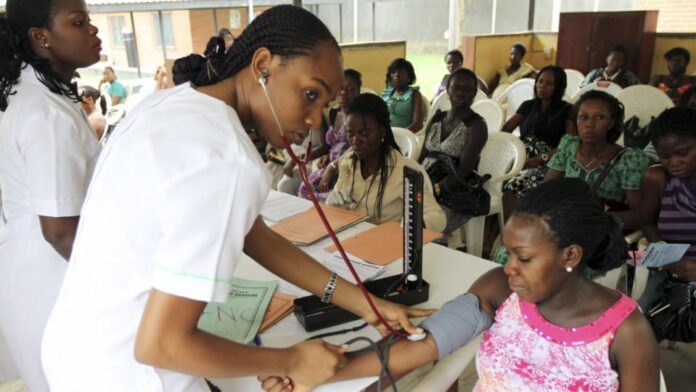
(520, 91)
(480, 95)
(644, 101)
(406, 140)
(575, 79)
(492, 112)
(441, 102)
(608, 87)
(503, 158)
(367, 90)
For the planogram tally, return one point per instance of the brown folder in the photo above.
(307, 228)
(381, 244)
(280, 306)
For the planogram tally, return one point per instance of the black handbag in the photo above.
(673, 315)
(636, 136)
(468, 197)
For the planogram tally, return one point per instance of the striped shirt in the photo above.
(677, 220)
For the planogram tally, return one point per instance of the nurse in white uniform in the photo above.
(173, 204)
(47, 152)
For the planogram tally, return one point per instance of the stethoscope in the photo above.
(301, 165)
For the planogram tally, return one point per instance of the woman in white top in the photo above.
(173, 205)
(47, 151)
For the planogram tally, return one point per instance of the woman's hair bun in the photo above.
(612, 252)
(188, 69)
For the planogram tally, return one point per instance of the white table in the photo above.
(448, 271)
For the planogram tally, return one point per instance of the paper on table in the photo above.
(381, 244)
(659, 254)
(279, 206)
(239, 318)
(366, 271)
(306, 228)
(280, 306)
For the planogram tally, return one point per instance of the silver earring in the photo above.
(569, 269)
(264, 75)
(45, 45)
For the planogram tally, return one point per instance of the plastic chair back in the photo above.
(407, 142)
(644, 102)
(492, 112)
(480, 95)
(520, 91)
(602, 85)
(575, 79)
(367, 90)
(502, 157)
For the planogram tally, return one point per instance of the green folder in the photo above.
(240, 317)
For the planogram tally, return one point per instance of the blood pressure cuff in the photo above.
(456, 323)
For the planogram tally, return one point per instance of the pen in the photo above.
(257, 340)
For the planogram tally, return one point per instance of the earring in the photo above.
(46, 45)
(264, 75)
(569, 269)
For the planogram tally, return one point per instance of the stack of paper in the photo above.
(240, 317)
(279, 206)
(281, 305)
(307, 228)
(366, 271)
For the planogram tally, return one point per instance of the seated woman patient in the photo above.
(547, 327)
(370, 175)
(404, 100)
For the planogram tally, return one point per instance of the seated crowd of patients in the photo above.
(567, 212)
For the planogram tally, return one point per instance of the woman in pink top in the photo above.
(547, 327)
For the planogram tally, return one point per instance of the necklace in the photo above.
(589, 164)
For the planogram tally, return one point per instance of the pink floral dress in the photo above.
(523, 351)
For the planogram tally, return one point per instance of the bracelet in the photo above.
(329, 289)
(545, 157)
(436, 188)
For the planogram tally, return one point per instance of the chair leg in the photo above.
(474, 235)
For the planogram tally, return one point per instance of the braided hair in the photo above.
(16, 48)
(285, 30)
(576, 217)
(373, 106)
(676, 122)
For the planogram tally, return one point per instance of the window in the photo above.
(116, 24)
(165, 30)
(235, 19)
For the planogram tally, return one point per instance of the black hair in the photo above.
(76, 75)
(372, 105)
(225, 32)
(16, 48)
(463, 72)
(677, 122)
(110, 68)
(519, 48)
(285, 30)
(575, 217)
(96, 95)
(686, 97)
(355, 75)
(616, 110)
(403, 64)
(618, 49)
(560, 82)
(678, 51)
(456, 53)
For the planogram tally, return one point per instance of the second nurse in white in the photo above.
(173, 205)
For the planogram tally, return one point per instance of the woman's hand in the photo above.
(326, 178)
(323, 160)
(313, 362)
(281, 384)
(396, 315)
(288, 168)
(533, 162)
(684, 270)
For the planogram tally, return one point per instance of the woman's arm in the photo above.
(553, 174)
(494, 83)
(512, 123)
(470, 153)
(418, 115)
(60, 233)
(634, 354)
(282, 258)
(651, 187)
(570, 128)
(631, 219)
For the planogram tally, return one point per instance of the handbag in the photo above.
(611, 205)
(468, 197)
(673, 315)
(636, 136)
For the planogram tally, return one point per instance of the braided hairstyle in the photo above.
(373, 106)
(675, 122)
(16, 48)
(285, 30)
(576, 217)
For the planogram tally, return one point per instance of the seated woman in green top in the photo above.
(599, 123)
(115, 89)
(404, 101)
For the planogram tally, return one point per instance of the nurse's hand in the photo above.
(396, 315)
(314, 362)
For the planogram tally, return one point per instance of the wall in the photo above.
(491, 52)
(676, 16)
(372, 60)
